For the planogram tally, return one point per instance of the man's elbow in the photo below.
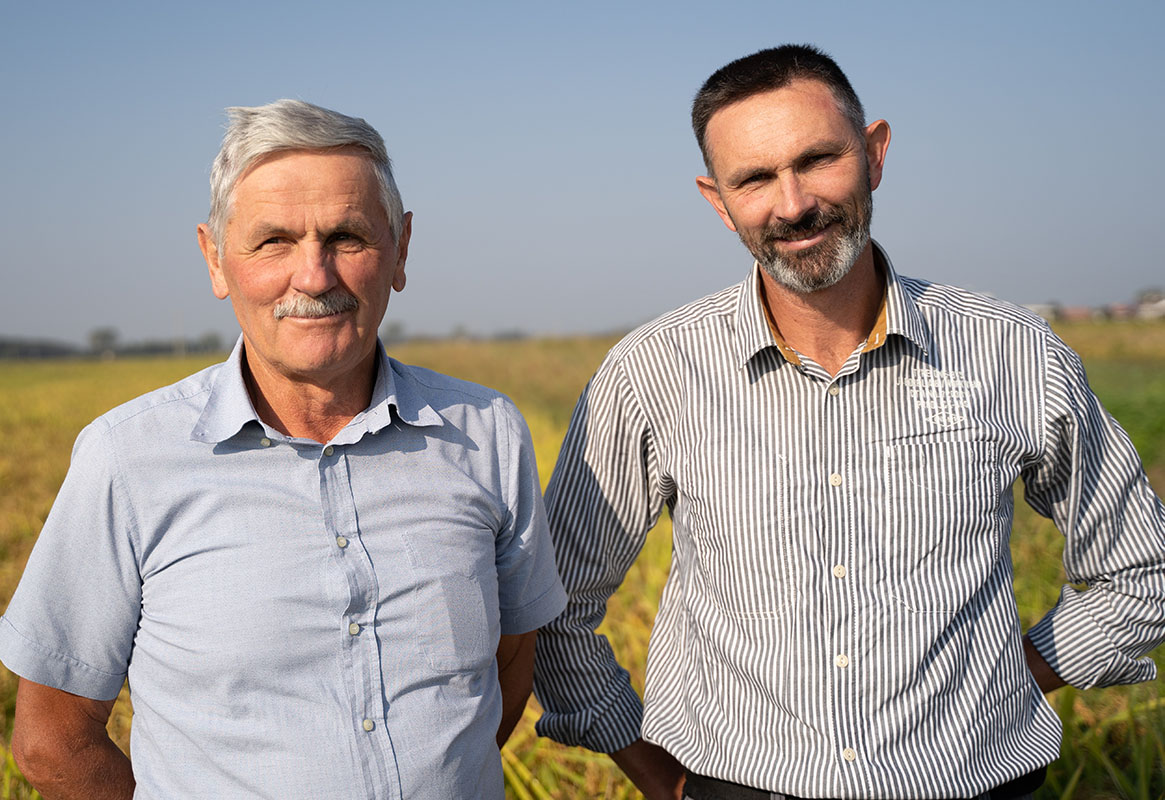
(40, 755)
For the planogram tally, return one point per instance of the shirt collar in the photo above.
(898, 315)
(229, 409)
(902, 314)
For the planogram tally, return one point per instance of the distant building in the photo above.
(1151, 310)
(1049, 311)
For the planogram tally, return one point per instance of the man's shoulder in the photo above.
(184, 399)
(442, 391)
(715, 309)
(938, 299)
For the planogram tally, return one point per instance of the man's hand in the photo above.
(60, 744)
(516, 676)
(1041, 670)
(651, 768)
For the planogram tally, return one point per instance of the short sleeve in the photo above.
(529, 591)
(71, 623)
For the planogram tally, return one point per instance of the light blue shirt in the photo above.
(296, 620)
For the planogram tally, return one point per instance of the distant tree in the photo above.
(393, 332)
(103, 342)
(1150, 295)
(209, 342)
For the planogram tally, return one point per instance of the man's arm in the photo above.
(652, 769)
(606, 493)
(1041, 670)
(516, 676)
(1091, 483)
(60, 743)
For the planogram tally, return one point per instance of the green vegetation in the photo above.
(1114, 743)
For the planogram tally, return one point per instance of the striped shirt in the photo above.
(839, 619)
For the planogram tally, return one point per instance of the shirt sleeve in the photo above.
(1093, 486)
(602, 500)
(529, 591)
(71, 622)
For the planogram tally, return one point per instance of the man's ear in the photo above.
(218, 281)
(707, 187)
(877, 143)
(402, 251)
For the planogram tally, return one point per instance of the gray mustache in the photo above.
(335, 301)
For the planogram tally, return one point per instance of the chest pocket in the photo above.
(942, 536)
(454, 598)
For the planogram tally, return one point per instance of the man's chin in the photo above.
(802, 278)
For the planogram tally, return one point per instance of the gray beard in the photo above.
(824, 264)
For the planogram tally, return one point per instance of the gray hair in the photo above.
(256, 132)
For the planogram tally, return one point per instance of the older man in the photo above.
(315, 563)
(837, 447)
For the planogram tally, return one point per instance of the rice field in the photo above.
(1114, 744)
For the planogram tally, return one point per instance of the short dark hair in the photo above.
(764, 71)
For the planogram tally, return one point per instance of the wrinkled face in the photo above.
(794, 179)
(308, 261)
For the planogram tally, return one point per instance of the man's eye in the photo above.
(345, 239)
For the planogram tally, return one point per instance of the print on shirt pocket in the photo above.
(747, 572)
(449, 605)
(942, 522)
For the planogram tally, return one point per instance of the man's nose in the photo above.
(315, 271)
(794, 200)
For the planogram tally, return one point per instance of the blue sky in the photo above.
(545, 149)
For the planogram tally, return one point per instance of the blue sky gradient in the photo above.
(546, 151)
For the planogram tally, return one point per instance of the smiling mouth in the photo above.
(803, 240)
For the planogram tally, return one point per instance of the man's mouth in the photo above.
(802, 240)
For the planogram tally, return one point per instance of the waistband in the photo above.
(701, 787)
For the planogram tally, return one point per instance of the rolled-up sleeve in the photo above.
(1091, 483)
(602, 500)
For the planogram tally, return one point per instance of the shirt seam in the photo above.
(59, 656)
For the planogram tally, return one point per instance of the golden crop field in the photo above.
(1114, 742)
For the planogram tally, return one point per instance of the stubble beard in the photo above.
(824, 264)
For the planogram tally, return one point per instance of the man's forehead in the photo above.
(802, 115)
(311, 161)
(801, 100)
(328, 189)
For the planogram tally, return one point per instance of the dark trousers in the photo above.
(698, 787)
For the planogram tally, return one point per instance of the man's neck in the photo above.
(309, 409)
(829, 324)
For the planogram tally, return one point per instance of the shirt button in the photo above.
(842, 661)
(369, 725)
(839, 571)
(264, 442)
(835, 479)
(354, 628)
(329, 450)
(849, 755)
(341, 541)
(834, 391)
